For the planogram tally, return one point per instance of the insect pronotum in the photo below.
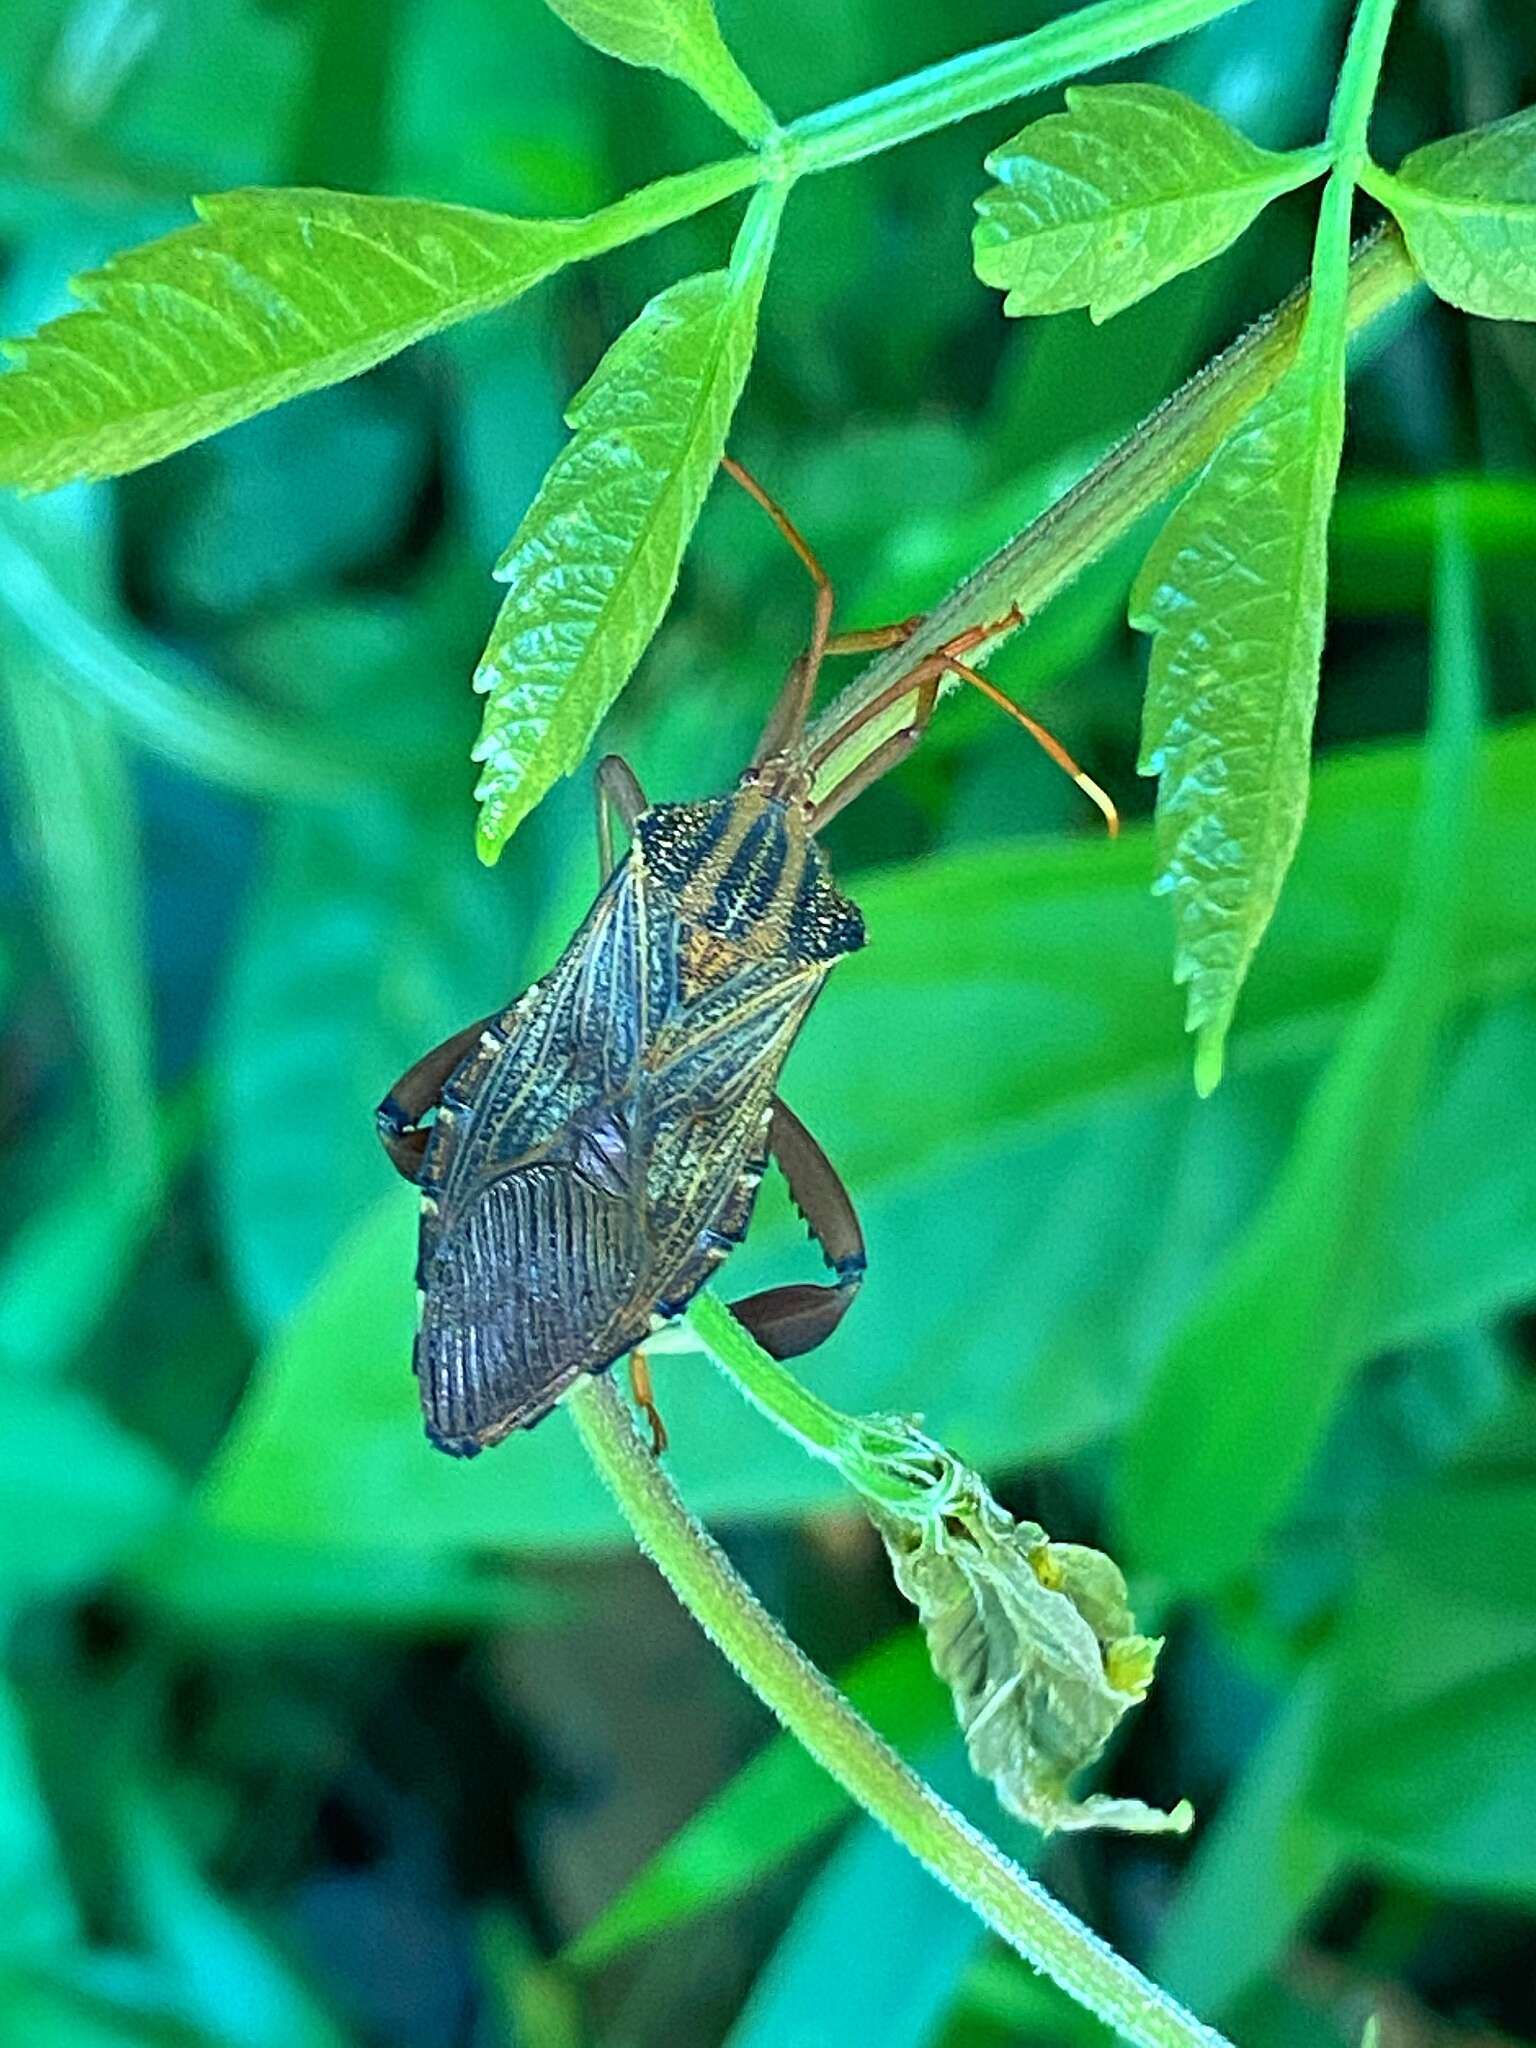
(597, 1146)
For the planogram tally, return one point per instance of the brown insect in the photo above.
(597, 1146)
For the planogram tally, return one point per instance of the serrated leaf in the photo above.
(1134, 184)
(1467, 209)
(595, 561)
(1038, 1646)
(1234, 593)
(271, 294)
(681, 38)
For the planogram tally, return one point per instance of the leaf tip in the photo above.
(1210, 1058)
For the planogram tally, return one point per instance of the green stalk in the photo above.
(1154, 459)
(1022, 1912)
(989, 77)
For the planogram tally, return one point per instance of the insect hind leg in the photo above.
(399, 1115)
(789, 1321)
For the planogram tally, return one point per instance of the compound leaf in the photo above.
(1467, 209)
(1100, 205)
(595, 561)
(271, 294)
(681, 38)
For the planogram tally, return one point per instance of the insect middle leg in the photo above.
(789, 1321)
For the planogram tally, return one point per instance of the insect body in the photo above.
(597, 1147)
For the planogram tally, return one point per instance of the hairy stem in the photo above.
(1164, 451)
(817, 1715)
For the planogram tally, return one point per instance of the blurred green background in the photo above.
(311, 1736)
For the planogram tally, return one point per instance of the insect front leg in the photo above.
(789, 1321)
(618, 790)
(399, 1115)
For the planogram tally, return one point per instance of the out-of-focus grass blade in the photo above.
(232, 1982)
(62, 1269)
(1247, 1386)
(82, 833)
(1261, 1864)
(37, 1912)
(776, 1805)
(876, 1951)
(210, 1583)
(152, 695)
(1429, 1716)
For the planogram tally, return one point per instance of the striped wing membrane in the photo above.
(535, 1266)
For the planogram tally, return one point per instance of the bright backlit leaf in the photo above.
(681, 38)
(1467, 209)
(270, 294)
(1100, 205)
(591, 569)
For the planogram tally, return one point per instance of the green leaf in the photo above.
(1100, 205)
(1430, 1708)
(1234, 593)
(592, 567)
(210, 1583)
(1467, 209)
(681, 38)
(779, 1803)
(37, 1910)
(80, 1492)
(1111, 1194)
(1261, 1865)
(1265, 1358)
(82, 830)
(370, 934)
(272, 293)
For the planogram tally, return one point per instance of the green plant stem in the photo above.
(989, 77)
(1164, 451)
(817, 1715)
(906, 108)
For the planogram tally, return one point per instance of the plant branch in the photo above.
(1164, 451)
(816, 1714)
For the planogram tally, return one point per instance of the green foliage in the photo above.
(1132, 185)
(1265, 1358)
(680, 37)
(1467, 208)
(272, 294)
(592, 567)
(304, 1728)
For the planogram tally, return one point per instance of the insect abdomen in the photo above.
(518, 1296)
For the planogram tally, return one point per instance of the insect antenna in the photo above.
(786, 722)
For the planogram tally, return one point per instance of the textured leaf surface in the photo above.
(1234, 592)
(1100, 205)
(594, 563)
(680, 37)
(272, 293)
(1467, 208)
(1265, 1357)
(1038, 1646)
